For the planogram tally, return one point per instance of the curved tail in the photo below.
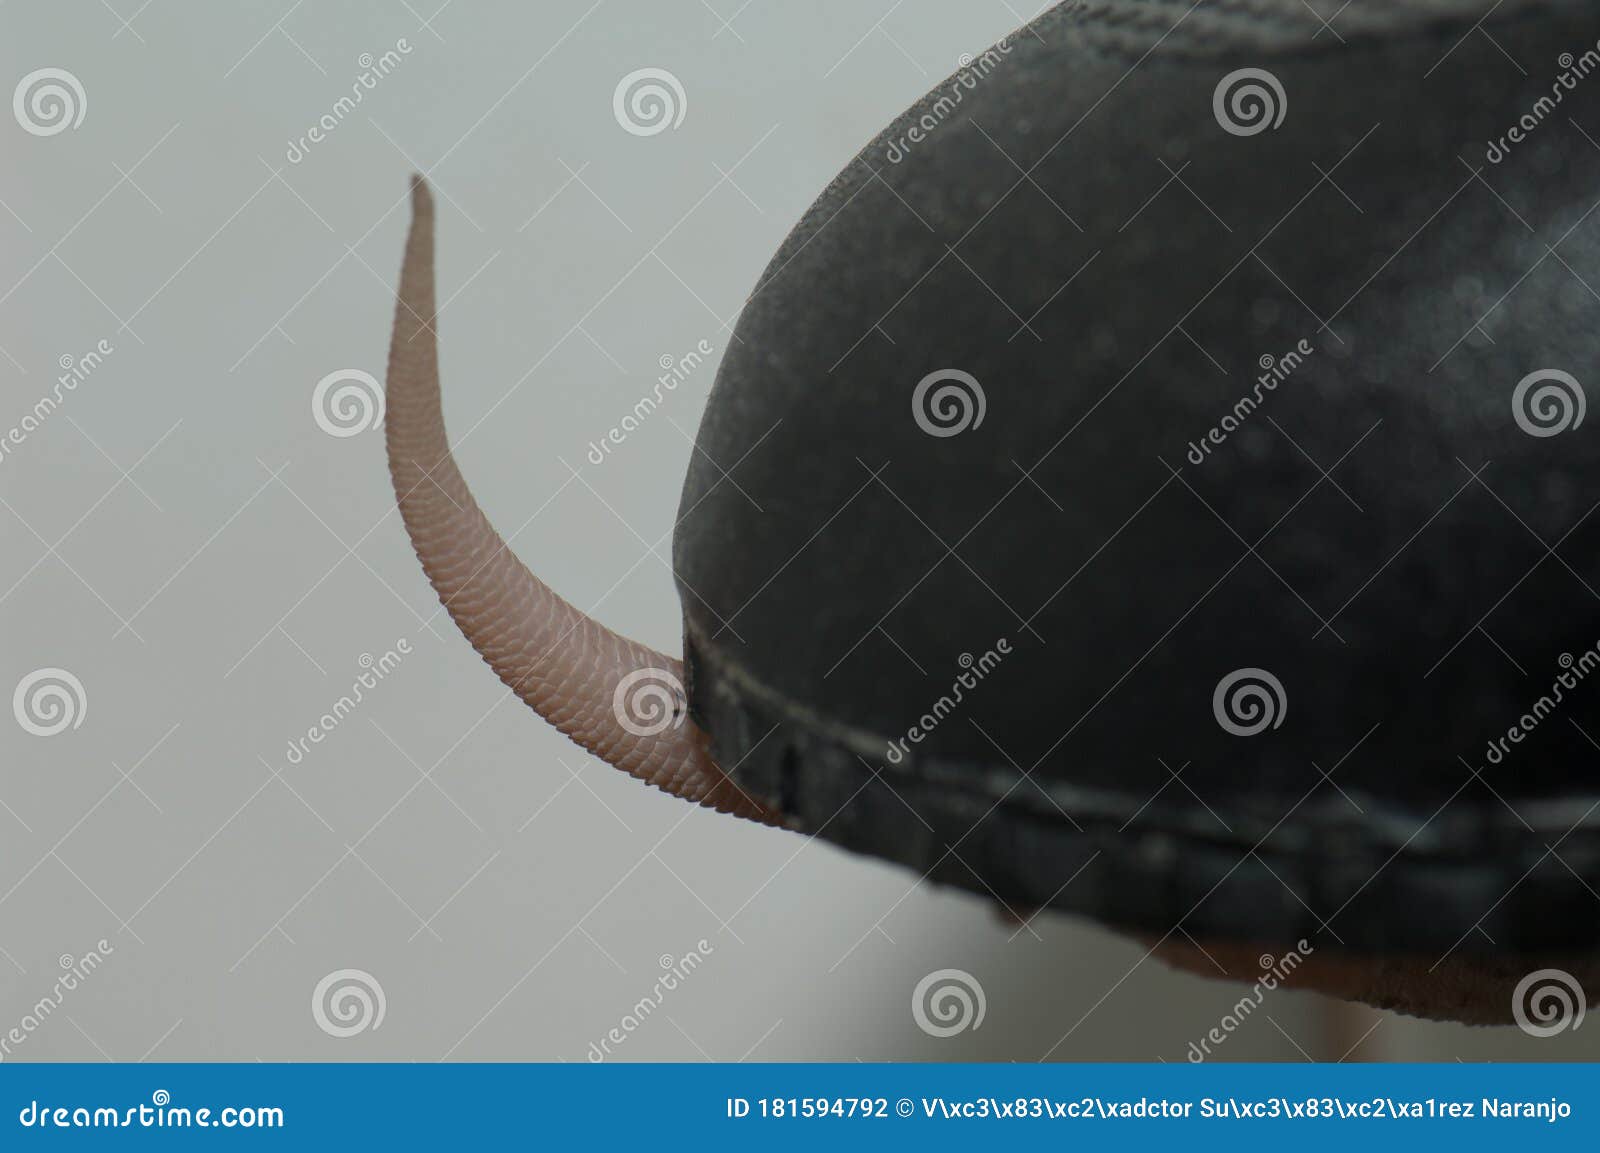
(620, 700)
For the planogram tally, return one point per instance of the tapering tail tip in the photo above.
(572, 670)
(421, 196)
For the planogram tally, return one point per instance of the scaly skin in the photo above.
(567, 666)
(563, 663)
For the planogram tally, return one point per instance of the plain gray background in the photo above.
(182, 536)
